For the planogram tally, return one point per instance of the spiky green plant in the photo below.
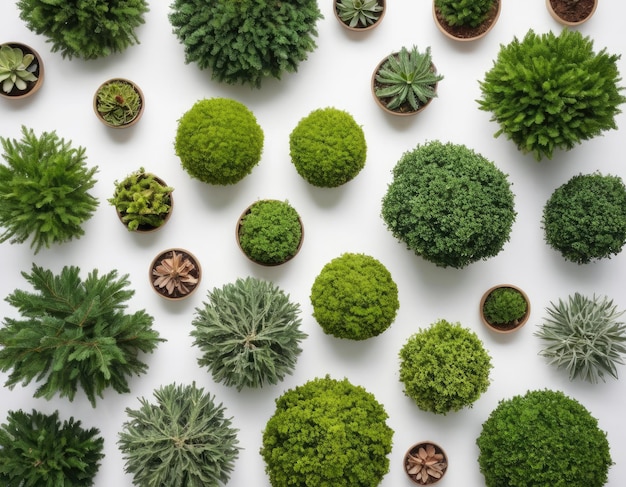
(584, 336)
(359, 13)
(38, 450)
(504, 305)
(74, 333)
(16, 68)
(407, 78)
(184, 439)
(249, 333)
(118, 102)
(44, 190)
(464, 12)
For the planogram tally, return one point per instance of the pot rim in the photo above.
(562, 21)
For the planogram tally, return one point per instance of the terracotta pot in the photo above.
(33, 86)
(509, 327)
(357, 28)
(183, 289)
(145, 228)
(563, 20)
(466, 34)
(414, 451)
(141, 106)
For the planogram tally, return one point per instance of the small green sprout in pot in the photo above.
(466, 20)
(359, 15)
(504, 308)
(21, 70)
(118, 103)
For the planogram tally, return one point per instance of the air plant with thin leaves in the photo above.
(359, 13)
(16, 68)
(407, 77)
(584, 336)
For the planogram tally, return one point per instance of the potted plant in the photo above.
(249, 333)
(571, 93)
(466, 20)
(354, 297)
(184, 438)
(543, 438)
(359, 15)
(444, 367)
(571, 13)
(449, 204)
(21, 70)
(425, 463)
(37, 449)
(143, 201)
(75, 333)
(270, 232)
(405, 82)
(118, 103)
(218, 141)
(246, 42)
(585, 219)
(504, 308)
(327, 432)
(175, 273)
(328, 148)
(34, 186)
(584, 336)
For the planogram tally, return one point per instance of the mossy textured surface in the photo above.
(504, 305)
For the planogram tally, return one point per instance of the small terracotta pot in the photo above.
(33, 86)
(413, 450)
(357, 28)
(147, 229)
(448, 31)
(504, 328)
(176, 295)
(141, 106)
(568, 23)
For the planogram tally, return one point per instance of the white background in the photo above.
(345, 219)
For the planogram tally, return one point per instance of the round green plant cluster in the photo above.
(246, 41)
(444, 367)
(543, 438)
(449, 204)
(551, 92)
(504, 305)
(354, 297)
(270, 232)
(327, 432)
(86, 29)
(328, 147)
(464, 12)
(219, 141)
(585, 219)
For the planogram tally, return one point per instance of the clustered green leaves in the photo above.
(584, 337)
(270, 232)
(184, 439)
(449, 204)
(328, 147)
(219, 141)
(551, 92)
(85, 29)
(585, 219)
(249, 333)
(504, 305)
(246, 42)
(327, 432)
(464, 12)
(359, 13)
(543, 438)
(444, 367)
(17, 69)
(354, 297)
(44, 190)
(38, 450)
(74, 333)
(118, 102)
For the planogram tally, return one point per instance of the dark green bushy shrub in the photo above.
(354, 297)
(219, 141)
(444, 367)
(328, 147)
(246, 41)
(543, 438)
(327, 432)
(551, 92)
(585, 219)
(449, 204)
(504, 305)
(464, 12)
(86, 29)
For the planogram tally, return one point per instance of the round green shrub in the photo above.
(449, 204)
(504, 305)
(444, 367)
(551, 92)
(354, 297)
(270, 232)
(219, 141)
(246, 41)
(327, 432)
(543, 438)
(328, 147)
(470, 13)
(585, 219)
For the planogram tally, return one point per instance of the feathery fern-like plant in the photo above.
(184, 439)
(584, 336)
(359, 13)
(74, 333)
(44, 190)
(249, 333)
(38, 450)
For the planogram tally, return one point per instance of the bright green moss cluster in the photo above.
(504, 305)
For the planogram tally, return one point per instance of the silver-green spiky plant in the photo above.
(359, 13)
(584, 336)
